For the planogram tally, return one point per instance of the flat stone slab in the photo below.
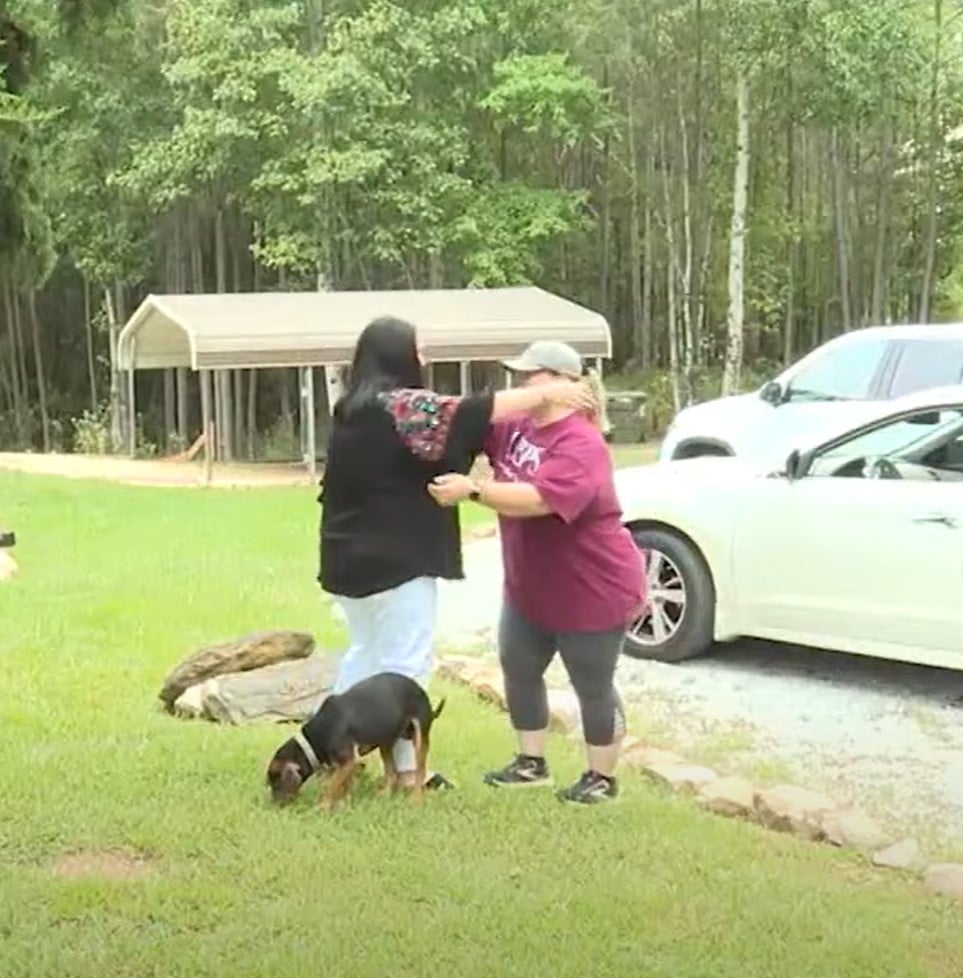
(283, 692)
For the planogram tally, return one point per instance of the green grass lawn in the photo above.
(118, 583)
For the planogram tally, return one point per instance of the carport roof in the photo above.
(289, 329)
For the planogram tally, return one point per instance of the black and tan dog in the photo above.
(372, 714)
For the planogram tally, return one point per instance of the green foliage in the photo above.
(504, 230)
(546, 95)
(91, 434)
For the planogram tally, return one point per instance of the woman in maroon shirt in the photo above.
(573, 576)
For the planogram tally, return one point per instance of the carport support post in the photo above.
(598, 367)
(308, 419)
(131, 404)
(464, 377)
(206, 425)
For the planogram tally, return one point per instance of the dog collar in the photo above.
(308, 751)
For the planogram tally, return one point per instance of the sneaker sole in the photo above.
(574, 802)
(512, 785)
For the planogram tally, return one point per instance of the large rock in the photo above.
(945, 879)
(687, 778)
(283, 692)
(732, 796)
(905, 854)
(250, 652)
(643, 755)
(853, 829)
(454, 667)
(490, 686)
(789, 808)
(564, 715)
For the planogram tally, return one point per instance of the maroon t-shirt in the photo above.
(577, 569)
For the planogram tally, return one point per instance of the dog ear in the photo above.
(273, 772)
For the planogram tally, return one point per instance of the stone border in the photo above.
(782, 808)
(8, 565)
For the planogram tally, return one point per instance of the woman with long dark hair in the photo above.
(384, 541)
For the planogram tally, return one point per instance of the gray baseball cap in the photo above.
(552, 355)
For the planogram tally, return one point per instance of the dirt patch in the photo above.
(155, 472)
(108, 864)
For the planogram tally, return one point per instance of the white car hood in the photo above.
(639, 482)
(734, 409)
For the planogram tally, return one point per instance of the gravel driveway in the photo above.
(884, 735)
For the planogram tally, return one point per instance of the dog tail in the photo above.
(437, 711)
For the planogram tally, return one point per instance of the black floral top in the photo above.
(379, 526)
(423, 419)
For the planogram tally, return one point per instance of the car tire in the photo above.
(693, 621)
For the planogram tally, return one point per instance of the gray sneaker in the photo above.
(523, 772)
(590, 789)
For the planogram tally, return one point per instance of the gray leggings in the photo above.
(589, 659)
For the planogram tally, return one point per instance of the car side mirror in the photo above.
(798, 464)
(792, 464)
(771, 393)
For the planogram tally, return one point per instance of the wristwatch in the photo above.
(475, 494)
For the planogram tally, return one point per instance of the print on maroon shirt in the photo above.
(577, 569)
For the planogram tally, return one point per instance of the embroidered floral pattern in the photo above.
(422, 419)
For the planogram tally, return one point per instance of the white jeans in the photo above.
(391, 631)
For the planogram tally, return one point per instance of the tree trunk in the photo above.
(699, 324)
(685, 276)
(648, 249)
(934, 162)
(91, 348)
(115, 406)
(20, 349)
(639, 325)
(672, 328)
(735, 325)
(703, 215)
(883, 195)
(842, 237)
(18, 393)
(792, 249)
(671, 279)
(38, 368)
(605, 219)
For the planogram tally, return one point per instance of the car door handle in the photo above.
(942, 518)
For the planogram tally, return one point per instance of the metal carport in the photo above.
(304, 330)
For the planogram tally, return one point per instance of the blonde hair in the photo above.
(601, 414)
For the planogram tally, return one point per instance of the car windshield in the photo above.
(901, 439)
(839, 371)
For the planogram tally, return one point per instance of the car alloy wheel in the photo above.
(665, 602)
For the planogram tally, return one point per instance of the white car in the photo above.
(876, 364)
(855, 543)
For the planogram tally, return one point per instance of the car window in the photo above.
(927, 363)
(844, 372)
(927, 437)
